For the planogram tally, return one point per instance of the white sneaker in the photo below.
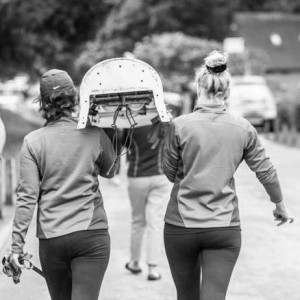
(116, 180)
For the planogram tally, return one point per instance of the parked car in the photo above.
(251, 98)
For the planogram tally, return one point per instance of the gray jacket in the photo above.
(201, 154)
(59, 168)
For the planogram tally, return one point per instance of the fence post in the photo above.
(284, 135)
(293, 136)
(11, 199)
(276, 129)
(2, 184)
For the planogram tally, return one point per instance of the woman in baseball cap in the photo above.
(59, 168)
(58, 95)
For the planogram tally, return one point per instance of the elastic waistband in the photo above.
(87, 232)
(172, 229)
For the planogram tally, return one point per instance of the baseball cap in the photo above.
(55, 81)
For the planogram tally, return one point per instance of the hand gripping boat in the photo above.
(121, 93)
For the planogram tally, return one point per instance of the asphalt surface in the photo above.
(268, 267)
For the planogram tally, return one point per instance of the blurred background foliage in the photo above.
(175, 55)
(74, 35)
(254, 61)
(38, 34)
(172, 36)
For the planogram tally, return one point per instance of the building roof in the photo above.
(277, 34)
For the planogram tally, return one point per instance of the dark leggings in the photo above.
(197, 252)
(74, 264)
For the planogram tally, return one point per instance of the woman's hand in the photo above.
(281, 214)
(158, 131)
(14, 260)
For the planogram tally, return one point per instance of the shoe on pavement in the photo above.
(154, 276)
(116, 181)
(133, 270)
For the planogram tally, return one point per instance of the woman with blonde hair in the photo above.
(202, 152)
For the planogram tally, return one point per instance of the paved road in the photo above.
(269, 263)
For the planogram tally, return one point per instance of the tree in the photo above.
(206, 18)
(132, 20)
(288, 6)
(175, 56)
(39, 34)
(74, 35)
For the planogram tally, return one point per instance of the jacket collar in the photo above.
(63, 121)
(211, 108)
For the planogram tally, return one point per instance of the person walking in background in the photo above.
(202, 152)
(59, 168)
(149, 191)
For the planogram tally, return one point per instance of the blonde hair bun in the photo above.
(216, 59)
(213, 76)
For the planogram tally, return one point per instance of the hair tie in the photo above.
(217, 70)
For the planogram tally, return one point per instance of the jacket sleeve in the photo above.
(171, 155)
(107, 160)
(27, 197)
(258, 162)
